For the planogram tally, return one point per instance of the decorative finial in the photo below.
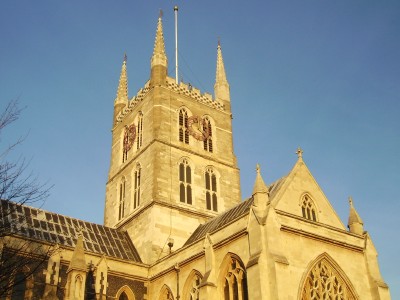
(299, 152)
(219, 41)
(258, 168)
(351, 201)
(175, 7)
(161, 14)
(125, 57)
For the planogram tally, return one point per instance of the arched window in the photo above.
(124, 293)
(136, 191)
(207, 142)
(185, 182)
(122, 188)
(183, 126)
(166, 294)
(234, 281)
(139, 130)
(123, 296)
(308, 208)
(211, 190)
(324, 281)
(191, 287)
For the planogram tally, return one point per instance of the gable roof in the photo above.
(229, 216)
(41, 225)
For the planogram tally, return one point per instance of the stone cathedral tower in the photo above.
(172, 161)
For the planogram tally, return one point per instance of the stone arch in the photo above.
(125, 291)
(190, 288)
(166, 293)
(232, 279)
(324, 279)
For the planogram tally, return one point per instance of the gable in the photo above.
(300, 194)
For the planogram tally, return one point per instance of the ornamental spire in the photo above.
(78, 256)
(355, 223)
(221, 86)
(260, 190)
(122, 91)
(159, 57)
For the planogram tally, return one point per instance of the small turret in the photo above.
(221, 86)
(260, 191)
(122, 92)
(159, 61)
(355, 223)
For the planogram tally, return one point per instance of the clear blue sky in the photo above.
(323, 75)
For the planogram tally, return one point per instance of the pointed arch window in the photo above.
(166, 294)
(191, 288)
(235, 282)
(207, 128)
(210, 179)
(139, 131)
(122, 191)
(325, 282)
(308, 209)
(183, 126)
(136, 191)
(185, 182)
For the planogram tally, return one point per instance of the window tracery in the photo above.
(235, 282)
(185, 182)
(211, 190)
(191, 287)
(308, 209)
(324, 282)
(183, 126)
(207, 142)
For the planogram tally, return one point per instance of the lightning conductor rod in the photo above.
(176, 44)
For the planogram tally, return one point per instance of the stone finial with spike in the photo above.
(355, 223)
(260, 191)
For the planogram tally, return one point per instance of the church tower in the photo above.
(172, 161)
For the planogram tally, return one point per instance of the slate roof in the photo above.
(229, 216)
(50, 227)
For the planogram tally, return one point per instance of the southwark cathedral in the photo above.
(175, 225)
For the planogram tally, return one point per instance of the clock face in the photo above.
(198, 128)
(129, 137)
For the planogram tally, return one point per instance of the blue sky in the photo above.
(323, 75)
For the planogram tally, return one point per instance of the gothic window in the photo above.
(136, 191)
(125, 293)
(308, 208)
(235, 282)
(122, 188)
(183, 126)
(207, 142)
(324, 282)
(139, 130)
(191, 287)
(185, 182)
(211, 190)
(166, 294)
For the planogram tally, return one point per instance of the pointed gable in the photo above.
(299, 194)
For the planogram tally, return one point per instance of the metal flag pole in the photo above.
(176, 44)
